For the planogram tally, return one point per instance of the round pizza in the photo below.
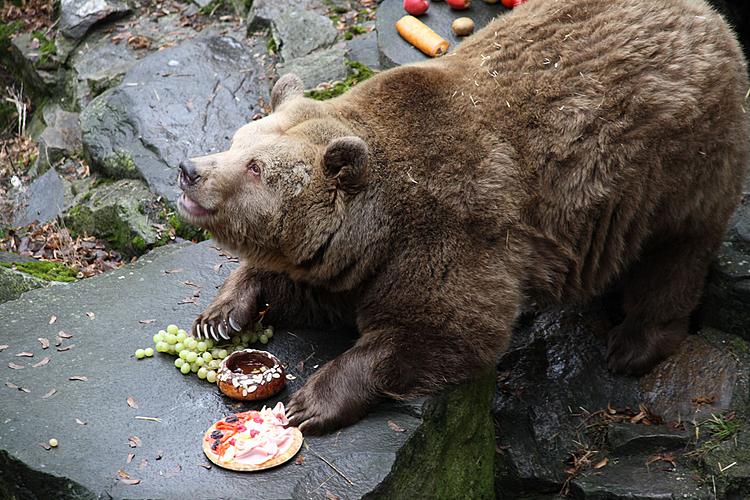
(252, 440)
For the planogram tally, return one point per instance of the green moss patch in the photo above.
(358, 72)
(50, 271)
(120, 165)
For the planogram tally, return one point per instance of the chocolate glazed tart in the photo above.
(250, 375)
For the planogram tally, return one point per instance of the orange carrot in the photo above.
(421, 36)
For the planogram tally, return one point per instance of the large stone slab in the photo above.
(263, 13)
(299, 32)
(395, 51)
(173, 104)
(325, 65)
(78, 16)
(445, 450)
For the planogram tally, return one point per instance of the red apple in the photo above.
(459, 4)
(508, 4)
(416, 7)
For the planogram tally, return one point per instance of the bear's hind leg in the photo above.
(661, 290)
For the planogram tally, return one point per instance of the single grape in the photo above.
(245, 338)
(179, 362)
(140, 354)
(185, 369)
(194, 368)
(171, 339)
(202, 372)
(263, 339)
(207, 356)
(201, 346)
(162, 346)
(191, 357)
(53, 443)
(182, 331)
(214, 364)
(181, 336)
(170, 349)
(184, 353)
(269, 332)
(179, 347)
(200, 361)
(172, 329)
(209, 344)
(236, 340)
(222, 354)
(215, 353)
(149, 352)
(191, 343)
(253, 338)
(211, 376)
(257, 327)
(158, 338)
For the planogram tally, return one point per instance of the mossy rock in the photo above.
(13, 283)
(116, 212)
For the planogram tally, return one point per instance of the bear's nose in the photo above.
(188, 175)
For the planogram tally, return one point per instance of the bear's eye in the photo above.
(254, 169)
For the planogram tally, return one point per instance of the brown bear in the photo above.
(565, 146)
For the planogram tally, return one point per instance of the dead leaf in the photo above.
(23, 389)
(44, 342)
(52, 319)
(332, 496)
(121, 474)
(25, 355)
(41, 362)
(300, 459)
(91, 315)
(395, 427)
(206, 466)
(11, 385)
(15, 366)
(704, 400)
(131, 402)
(3, 347)
(49, 394)
(80, 422)
(159, 454)
(146, 321)
(173, 271)
(66, 348)
(45, 446)
(81, 378)
(190, 283)
(139, 42)
(662, 457)
(601, 463)
(134, 441)
(58, 341)
(130, 458)
(143, 464)
(130, 482)
(64, 335)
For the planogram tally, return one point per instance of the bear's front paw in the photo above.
(228, 314)
(327, 402)
(634, 349)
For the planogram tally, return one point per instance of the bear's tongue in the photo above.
(192, 207)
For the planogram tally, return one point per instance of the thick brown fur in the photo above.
(565, 146)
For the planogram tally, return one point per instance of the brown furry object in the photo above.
(566, 145)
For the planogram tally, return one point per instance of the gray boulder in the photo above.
(263, 13)
(173, 104)
(298, 33)
(14, 283)
(60, 139)
(78, 16)
(321, 66)
(42, 201)
(364, 49)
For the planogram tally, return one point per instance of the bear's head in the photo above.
(279, 193)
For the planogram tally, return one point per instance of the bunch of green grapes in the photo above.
(202, 357)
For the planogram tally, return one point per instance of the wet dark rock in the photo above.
(78, 16)
(42, 201)
(445, 451)
(726, 300)
(321, 66)
(298, 33)
(176, 103)
(395, 51)
(554, 392)
(630, 439)
(263, 13)
(364, 49)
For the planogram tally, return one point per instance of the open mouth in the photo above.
(192, 208)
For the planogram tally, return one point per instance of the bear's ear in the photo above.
(286, 87)
(346, 160)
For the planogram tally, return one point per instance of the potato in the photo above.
(462, 26)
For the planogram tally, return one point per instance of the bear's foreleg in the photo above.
(291, 304)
